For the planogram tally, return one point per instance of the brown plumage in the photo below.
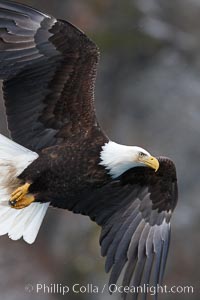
(49, 69)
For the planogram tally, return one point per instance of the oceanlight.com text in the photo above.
(76, 288)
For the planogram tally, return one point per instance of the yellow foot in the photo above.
(20, 197)
(23, 202)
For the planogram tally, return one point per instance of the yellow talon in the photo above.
(23, 202)
(20, 197)
(20, 192)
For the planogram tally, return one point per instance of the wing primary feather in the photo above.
(138, 276)
(166, 232)
(117, 232)
(142, 241)
(138, 272)
(109, 239)
(158, 246)
(149, 261)
(133, 229)
(118, 265)
(147, 274)
(133, 254)
(23, 9)
(116, 271)
(113, 222)
(122, 239)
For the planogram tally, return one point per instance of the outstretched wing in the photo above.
(49, 70)
(134, 212)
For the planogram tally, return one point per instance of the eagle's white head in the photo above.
(119, 158)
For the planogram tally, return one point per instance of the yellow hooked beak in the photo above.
(150, 162)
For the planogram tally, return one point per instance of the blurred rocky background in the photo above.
(147, 94)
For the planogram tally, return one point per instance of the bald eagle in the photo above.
(60, 157)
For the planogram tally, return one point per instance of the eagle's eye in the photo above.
(142, 154)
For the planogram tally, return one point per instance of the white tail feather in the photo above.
(23, 222)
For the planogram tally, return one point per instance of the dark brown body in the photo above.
(66, 173)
